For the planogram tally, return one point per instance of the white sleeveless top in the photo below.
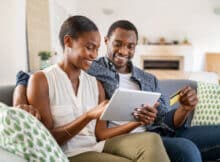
(66, 107)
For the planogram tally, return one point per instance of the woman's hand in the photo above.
(146, 114)
(97, 111)
(30, 109)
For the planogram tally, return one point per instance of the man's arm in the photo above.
(188, 101)
(177, 117)
(20, 95)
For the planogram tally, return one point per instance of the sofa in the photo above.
(168, 87)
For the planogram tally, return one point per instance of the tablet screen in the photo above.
(124, 101)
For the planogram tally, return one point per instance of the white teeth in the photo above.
(121, 57)
(89, 62)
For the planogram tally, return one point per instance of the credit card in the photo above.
(175, 98)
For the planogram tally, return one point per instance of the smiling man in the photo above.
(116, 70)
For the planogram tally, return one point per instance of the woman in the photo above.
(69, 100)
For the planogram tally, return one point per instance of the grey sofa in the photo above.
(168, 87)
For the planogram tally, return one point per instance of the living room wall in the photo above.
(172, 19)
(12, 41)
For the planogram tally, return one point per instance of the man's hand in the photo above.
(30, 109)
(188, 99)
(146, 114)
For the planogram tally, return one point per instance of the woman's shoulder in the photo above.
(37, 76)
(87, 76)
(50, 68)
(38, 79)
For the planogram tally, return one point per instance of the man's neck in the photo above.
(123, 70)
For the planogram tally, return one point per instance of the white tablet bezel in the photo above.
(124, 101)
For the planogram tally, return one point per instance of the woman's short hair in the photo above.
(74, 26)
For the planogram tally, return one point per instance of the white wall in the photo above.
(12, 40)
(172, 19)
(59, 12)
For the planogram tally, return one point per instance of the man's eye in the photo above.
(90, 47)
(131, 47)
(117, 44)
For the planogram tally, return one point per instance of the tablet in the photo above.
(124, 101)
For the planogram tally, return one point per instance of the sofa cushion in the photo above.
(23, 135)
(207, 111)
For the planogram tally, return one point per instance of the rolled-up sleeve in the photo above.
(165, 114)
(22, 78)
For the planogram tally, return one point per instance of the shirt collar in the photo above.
(111, 66)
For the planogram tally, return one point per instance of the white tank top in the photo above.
(66, 107)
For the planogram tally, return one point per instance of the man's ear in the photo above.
(106, 39)
(68, 41)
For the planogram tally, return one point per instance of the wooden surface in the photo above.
(209, 77)
(169, 74)
(213, 62)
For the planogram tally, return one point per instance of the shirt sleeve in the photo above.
(165, 114)
(22, 78)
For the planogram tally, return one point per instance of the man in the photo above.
(116, 70)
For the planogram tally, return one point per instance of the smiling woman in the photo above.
(70, 101)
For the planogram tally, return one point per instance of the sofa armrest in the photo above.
(6, 94)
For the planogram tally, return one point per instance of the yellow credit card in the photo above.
(174, 98)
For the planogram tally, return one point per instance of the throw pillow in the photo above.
(207, 111)
(23, 135)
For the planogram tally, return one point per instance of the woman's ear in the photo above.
(106, 39)
(68, 42)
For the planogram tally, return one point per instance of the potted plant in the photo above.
(44, 59)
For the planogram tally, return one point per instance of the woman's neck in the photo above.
(72, 71)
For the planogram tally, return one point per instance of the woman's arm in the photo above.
(102, 131)
(38, 96)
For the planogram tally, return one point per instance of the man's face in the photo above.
(121, 47)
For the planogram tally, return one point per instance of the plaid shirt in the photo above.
(104, 71)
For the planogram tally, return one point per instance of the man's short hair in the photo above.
(123, 24)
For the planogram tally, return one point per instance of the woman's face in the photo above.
(82, 51)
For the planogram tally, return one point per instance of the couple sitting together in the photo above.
(69, 97)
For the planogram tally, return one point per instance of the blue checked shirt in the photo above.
(104, 71)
